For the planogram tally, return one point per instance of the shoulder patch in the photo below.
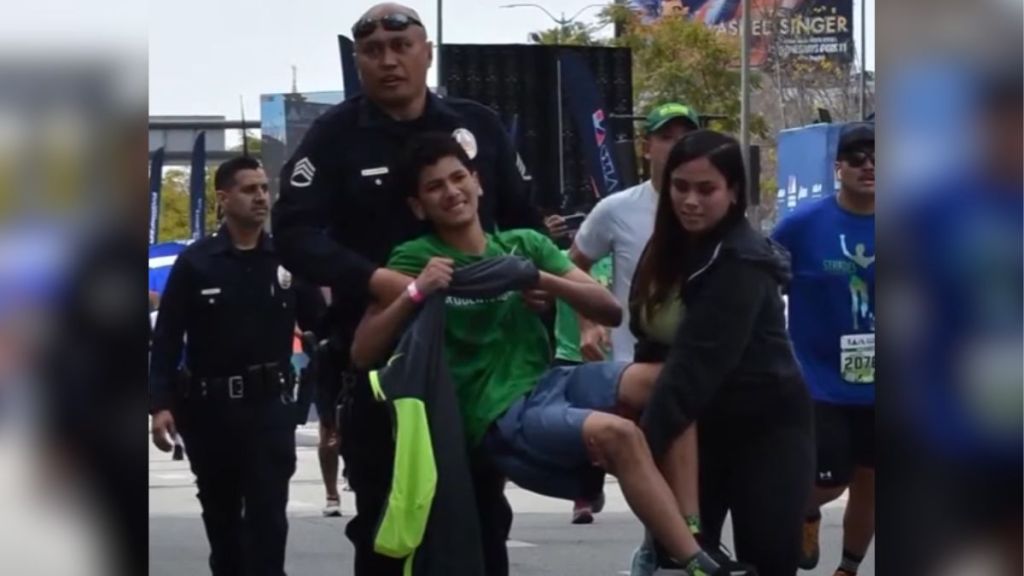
(284, 278)
(302, 173)
(467, 140)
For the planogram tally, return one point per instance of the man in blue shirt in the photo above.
(832, 326)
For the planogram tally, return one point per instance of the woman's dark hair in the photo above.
(663, 264)
(426, 149)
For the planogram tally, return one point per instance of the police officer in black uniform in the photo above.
(230, 304)
(338, 218)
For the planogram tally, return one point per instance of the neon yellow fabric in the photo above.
(413, 482)
(378, 392)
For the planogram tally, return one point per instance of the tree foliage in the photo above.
(674, 60)
(573, 34)
(255, 145)
(175, 223)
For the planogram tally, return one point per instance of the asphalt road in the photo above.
(544, 543)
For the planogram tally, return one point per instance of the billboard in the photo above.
(284, 120)
(806, 165)
(810, 30)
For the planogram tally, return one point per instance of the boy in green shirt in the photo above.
(546, 428)
(567, 326)
(567, 353)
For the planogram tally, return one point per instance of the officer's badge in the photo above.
(284, 278)
(466, 139)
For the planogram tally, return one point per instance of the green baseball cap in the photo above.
(665, 113)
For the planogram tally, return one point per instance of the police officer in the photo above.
(233, 305)
(338, 218)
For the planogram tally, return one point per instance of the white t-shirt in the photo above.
(620, 225)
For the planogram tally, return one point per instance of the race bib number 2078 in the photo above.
(857, 358)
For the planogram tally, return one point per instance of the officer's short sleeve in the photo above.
(302, 214)
(594, 238)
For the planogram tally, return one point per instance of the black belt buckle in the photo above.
(236, 387)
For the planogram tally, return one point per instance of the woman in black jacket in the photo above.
(706, 301)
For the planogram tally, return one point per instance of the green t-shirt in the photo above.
(496, 348)
(567, 325)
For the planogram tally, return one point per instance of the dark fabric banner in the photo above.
(156, 168)
(197, 187)
(590, 114)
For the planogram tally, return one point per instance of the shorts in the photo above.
(538, 442)
(845, 435)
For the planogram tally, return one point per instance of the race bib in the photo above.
(857, 358)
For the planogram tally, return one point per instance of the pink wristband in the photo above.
(414, 293)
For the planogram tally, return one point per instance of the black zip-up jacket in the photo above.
(731, 357)
(430, 518)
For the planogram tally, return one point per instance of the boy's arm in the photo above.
(584, 295)
(383, 322)
(593, 337)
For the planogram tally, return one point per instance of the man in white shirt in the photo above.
(621, 225)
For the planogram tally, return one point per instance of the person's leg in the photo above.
(769, 488)
(218, 482)
(618, 446)
(494, 512)
(859, 519)
(835, 462)
(327, 390)
(681, 471)
(584, 509)
(327, 453)
(270, 464)
(714, 472)
(679, 465)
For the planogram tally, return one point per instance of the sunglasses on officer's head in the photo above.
(859, 158)
(390, 22)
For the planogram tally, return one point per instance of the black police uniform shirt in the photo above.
(228, 308)
(339, 215)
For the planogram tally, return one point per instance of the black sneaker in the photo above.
(734, 568)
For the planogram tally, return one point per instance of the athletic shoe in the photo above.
(582, 512)
(734, 568)
(645, 560)
(332, 509)
(841, 572)
(810, 552)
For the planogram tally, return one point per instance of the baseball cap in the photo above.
(856, 134)
(665, 113)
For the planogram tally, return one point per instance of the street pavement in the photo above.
(543, 542)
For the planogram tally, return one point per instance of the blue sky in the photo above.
(204, 54)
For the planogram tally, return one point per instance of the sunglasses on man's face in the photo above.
(860, 158)
(390, 22)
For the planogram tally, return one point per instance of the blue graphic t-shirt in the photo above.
(960, 254)
(832, 300)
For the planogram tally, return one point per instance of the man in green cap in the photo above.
(620, 226)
